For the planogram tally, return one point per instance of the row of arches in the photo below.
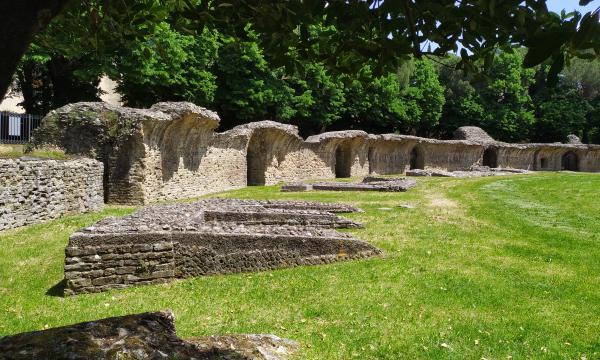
(416, 160)
(256, 161)
(343, 161)
(568, 161)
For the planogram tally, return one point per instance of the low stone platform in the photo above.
(368, 184)
(214, 236)
(480, 171)
(141, 336)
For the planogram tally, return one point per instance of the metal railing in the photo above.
(17, 128)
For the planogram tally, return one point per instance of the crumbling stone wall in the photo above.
(548, 157)
(35, 190)
(474, 134)
(388, 155)
(345, 153)
(275, 153)
(172, 151)
(169, 151)
(98, 262)
(185, 158)
(590, 159)
(394, 154)
(213, 236)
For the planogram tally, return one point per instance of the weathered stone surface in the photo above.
(252, 346)
(372, 184)
(478, 171)
(394, 154)
(212, 236)
(149, 154)
(573, 139)
(297, 187)
(473, 133)
(172, 151)
(141, 336)
(36, 190)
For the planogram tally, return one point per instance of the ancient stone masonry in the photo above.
(35, 190)
(167, 152)
(172, 151)
(137, 337)
(478, 171)
(369, 183)
(213, 236)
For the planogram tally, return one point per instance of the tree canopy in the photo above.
(169, 51)
(358, 32)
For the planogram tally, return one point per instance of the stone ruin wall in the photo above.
(546, 157)
(344, 153)
(174, 152)
(213, 236)
(177, 151)
(114, 261)
(394, 154)
(35, 190)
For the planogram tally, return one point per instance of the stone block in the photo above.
(241, 236)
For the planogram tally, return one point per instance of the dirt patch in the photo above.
(437, 200)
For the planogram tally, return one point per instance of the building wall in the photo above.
(32, 191)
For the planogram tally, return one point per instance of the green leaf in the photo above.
(557, 66)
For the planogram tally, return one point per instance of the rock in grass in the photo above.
(141, 336)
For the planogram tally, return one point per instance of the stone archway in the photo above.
(417, 158)
(490, 158)
(256, 161)
(540, 162)
(371, 159)
(343, 161)
(570, 161)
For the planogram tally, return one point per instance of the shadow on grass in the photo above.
(58, 290)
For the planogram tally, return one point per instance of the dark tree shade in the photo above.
(20, 20)
(381, 33)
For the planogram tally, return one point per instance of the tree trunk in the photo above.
(20, 20)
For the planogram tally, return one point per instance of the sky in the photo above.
(569, 5)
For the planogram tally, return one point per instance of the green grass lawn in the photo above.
(479, 268)
(14, 151)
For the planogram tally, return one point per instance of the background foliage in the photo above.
(157, 54)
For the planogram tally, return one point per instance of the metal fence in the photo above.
(17, 128)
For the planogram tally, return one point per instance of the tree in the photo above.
(425, 97)
(582, 79)
(80, 29)
(19, 22)
(592, 130)
(463, 106)
(375, 103)
(322, 96)
(169, 66)
(584, 75)
(247, 87)
(385, 32)
(508, 106)
(560, 111)
(48, 80)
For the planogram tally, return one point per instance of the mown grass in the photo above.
(479, 268)
(12, 151)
